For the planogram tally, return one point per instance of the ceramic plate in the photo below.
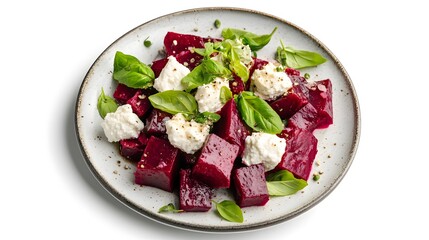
(336, 148)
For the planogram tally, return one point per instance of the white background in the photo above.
(46, 48)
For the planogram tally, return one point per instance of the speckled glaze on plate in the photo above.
(336, 148)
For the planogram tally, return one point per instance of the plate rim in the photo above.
(232, 228)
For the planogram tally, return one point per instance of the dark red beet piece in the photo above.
(215, 162)
(189, 59)
(158, 166)
(123, 93)
(250, 186)
(292, 72)
(231, 127)
(175, 43)
(320, 96)
(194, 195)
(158, 65)
(306, 118)
(131, 149)
(155, 122)
(301, 150)
(236, 85)
(140, 103)
(288, 105)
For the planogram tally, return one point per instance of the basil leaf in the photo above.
(301, 59)
(106, 104)
(297, 59)
(225, 94)
(205, 117)
(205, 73)
(283, 183)
(229, 210)
(173, 101)
(130, 71)
(169, 208)
(255, 42)
(258, 114)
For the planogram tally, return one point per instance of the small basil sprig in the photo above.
(258, 114)
(174, 101)
(169, 208)
(205, 73)
(297, 59)
(255, 42)
(235, 56)
(105, 104)
(229, 210)
(130, 71)
(283, 183)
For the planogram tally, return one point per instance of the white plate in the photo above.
(337, 144)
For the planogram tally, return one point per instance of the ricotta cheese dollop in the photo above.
(268, 83)
(264, 148)
(122, 124)
(208, 95)
(171, 76)
(188, 136)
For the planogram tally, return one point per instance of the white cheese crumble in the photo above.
(208, 95)
(171, 76)
(188, 136)
(268, 83)
(264, 148)
(122, 124)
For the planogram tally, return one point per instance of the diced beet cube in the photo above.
(155, 122)
(288, 105)
(194, 195)
(236, 85)
(250, 186)
(158, 65)
(131, 149)
(189, 59)
(158, 166)
(140, 103)
(231, 127)
(301, 150)
(215, 163)
(123, 93)
(176, 42)
(306, 118)
(320, 96)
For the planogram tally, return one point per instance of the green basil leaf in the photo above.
(205, 73)
(255, 42)
(225, 94)
(258, 114)
(173, 101)
(106, 104)
(301, 59)
(205, 117)
(130, 71)
(283, 183)
(207, 51)
(169, 208)
(229, 210)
